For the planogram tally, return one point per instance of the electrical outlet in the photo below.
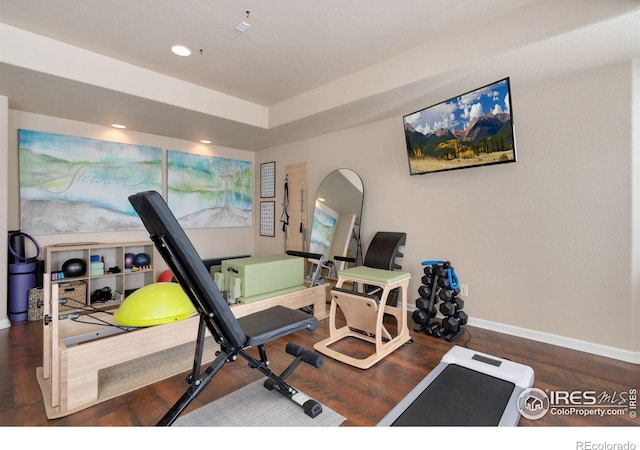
(464, 290)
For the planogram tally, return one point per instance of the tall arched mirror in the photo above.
(337, 217)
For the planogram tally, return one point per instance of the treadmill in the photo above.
(467, 388)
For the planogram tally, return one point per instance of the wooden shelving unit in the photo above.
(113, 255)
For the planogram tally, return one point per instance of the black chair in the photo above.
(384, 249)
(382, 253)
(235, 336)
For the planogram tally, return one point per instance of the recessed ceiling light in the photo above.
(205, 141)
(117, 125)
(181, 50)
(242, 26)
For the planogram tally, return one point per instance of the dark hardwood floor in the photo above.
(362, 396)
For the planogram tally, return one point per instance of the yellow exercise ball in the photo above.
(154, 304)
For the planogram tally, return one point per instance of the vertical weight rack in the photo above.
(440, 284)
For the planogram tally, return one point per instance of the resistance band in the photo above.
(284, 218)
(451, 273)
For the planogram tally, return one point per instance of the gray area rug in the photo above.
(256, 406)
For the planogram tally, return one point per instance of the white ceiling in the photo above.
(304, 67)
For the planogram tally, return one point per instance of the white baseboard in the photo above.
(553, 339)
(5, 323)
(574, 344)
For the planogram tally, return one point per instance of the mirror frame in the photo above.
(340, 195)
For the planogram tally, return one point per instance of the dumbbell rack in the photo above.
(440, 284)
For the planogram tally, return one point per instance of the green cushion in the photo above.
(380, 276)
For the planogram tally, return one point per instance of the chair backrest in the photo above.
(187, 266)
(384, 249)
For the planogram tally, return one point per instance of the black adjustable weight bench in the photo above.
(233, 335)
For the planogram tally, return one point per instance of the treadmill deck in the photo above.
(467, 388)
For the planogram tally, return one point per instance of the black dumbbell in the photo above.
(448, 309)
(420, 317)
(448, 294)
(451, 324)
(463, 318)
(452, 307)
(435, 330)
(442, 270)
(427, 279)
(422, 303)
(443, 282)
(425, 291)
(425, 305)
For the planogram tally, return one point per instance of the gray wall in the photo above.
(548, 245)
(211, 242)
(545, 244)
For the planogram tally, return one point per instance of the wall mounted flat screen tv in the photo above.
(470, 130)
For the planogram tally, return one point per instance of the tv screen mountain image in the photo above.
(470, 130)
